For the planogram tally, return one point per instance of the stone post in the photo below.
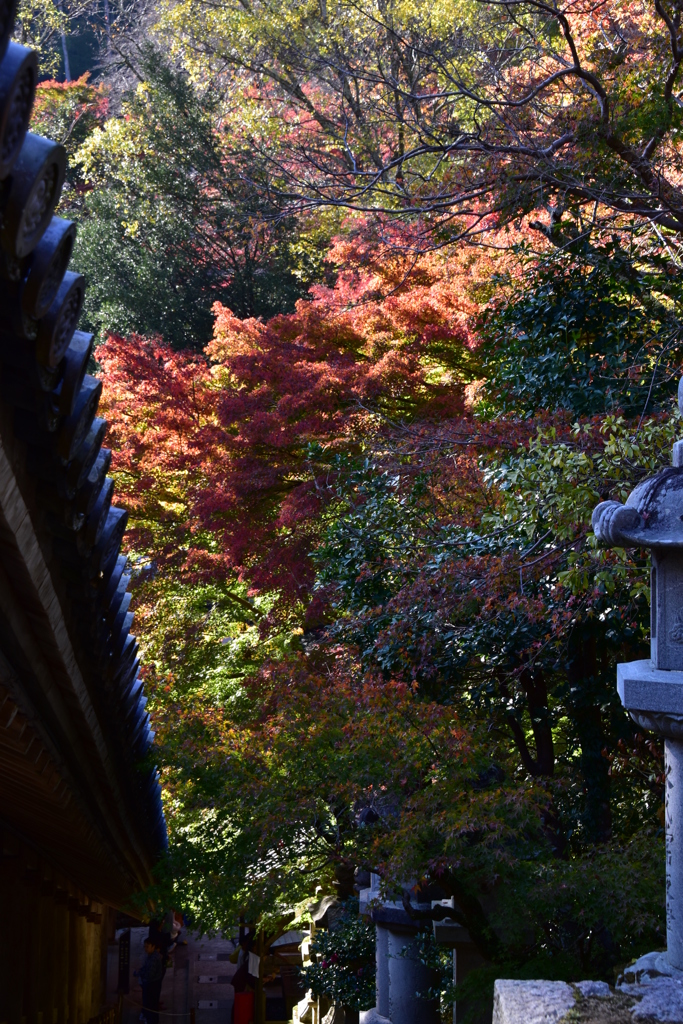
(400, 973)
(652, 690)
(408, 977)
(674, 851)
(382, 975)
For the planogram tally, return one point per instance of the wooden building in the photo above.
(81, 823)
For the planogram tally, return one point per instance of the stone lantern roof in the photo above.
(651, 517)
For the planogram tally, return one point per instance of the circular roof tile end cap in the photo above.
(86, 456)
(77, 426)
(49, 263)
(49, 376)
(120, 641)
(98, 517)
(125, 666)
(89, 493)
(107, 548)
(8, 15)
(114, 579)
(56, 329)
(129, 679)
(116, 604)
(18, 79)
(76, 364)
(35, 187)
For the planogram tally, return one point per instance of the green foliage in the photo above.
(439, 960)
(519, 623)
(202, 644)
(343, 967)
(456, 718)
(39, 25)
(467, 129)
(440, 705)
(172, 224)
(590, 331)
(204, 637)
(69, 112)
(444, 710)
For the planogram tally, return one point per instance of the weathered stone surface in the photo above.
(649, 991)
(531, 1002)
(372, 1017)
(652, 690)
(642, 687)
(647, 968)
(305, 1009)
(408, 976)
(593, 988)
(341, 1015)
(662, 1001)
(401, 975)
(658, 987)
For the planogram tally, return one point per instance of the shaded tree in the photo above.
(171, 224)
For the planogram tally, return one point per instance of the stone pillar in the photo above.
(670, 726)
(408, 977)
(400, 973)
(674, 851)
(382, 975)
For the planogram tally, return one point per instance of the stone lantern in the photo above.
(652, 690)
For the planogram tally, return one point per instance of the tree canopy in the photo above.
(387, 298)
(462, 111)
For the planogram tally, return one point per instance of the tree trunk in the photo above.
(584, 708)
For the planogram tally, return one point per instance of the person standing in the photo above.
(151, 975)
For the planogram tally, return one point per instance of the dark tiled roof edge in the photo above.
(53, 438)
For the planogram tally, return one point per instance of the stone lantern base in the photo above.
(651, 989)
(648, 991)
(654, 699)
(654, 691)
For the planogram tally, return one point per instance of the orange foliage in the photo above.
(240, 441)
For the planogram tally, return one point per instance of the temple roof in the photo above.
(75, 739)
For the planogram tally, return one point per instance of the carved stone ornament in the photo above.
(670, 726)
